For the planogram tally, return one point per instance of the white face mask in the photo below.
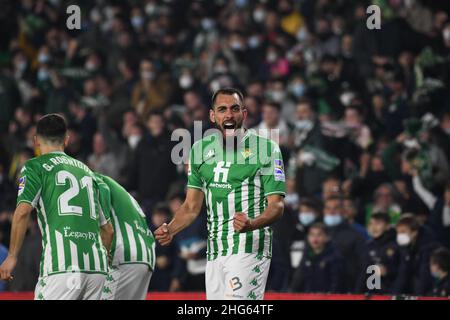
(186, 81)
(306, 218)
(207, 23)
(446, 34)
(90, 66)
(304, 124)
(332, 220)
(133, 141)
(259, 15)
(278, 96)
(403, 239)
(43, 58)
(272, 57)
(148, 75)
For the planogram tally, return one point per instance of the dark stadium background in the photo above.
(363, 114)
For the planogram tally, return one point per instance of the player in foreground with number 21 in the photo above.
(241, 176)
(76, 234)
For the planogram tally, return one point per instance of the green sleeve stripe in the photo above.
(26, 201)
(275, 192)
(194, 187)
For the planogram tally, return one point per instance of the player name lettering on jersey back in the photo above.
(65, 160)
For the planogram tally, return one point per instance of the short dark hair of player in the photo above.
(441, 258)
(381, 216)
(229, 92)
(408, 220)
(52, 128)
(320, 226)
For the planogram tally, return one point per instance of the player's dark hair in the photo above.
(52, 128)
(441, 257)
(229, 92)
(408, 220)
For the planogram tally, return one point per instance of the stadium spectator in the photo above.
(152, 162)
(369, 108)
(416, 245)
(382, 252)
(191, 248)
(102, 160)
(347, 240)
(440, 268)
(322, 268)
(168, 264)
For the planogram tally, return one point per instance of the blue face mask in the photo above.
(332, 220)
(435, 275)
(298, 90)
(137, 21)
(306, 218)
(42, 75)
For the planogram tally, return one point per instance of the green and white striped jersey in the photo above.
(133, 241)
(236, 180)
(65, 194)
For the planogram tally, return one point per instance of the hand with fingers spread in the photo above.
(163, 235)
(241, 222)
(7, 268)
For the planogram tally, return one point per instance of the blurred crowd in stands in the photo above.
(363, 118)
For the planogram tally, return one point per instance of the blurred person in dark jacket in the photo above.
(322, 268)
(416, 245)
(191, 247)
(289, 242)
(27, 272)
(151, 169)
(349, 242)
(350, 213)
(152, 92)
(307, 131)
(383, 252)
(440, 269)
(3, 255)
(168, 263)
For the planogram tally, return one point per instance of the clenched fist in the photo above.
(7, 268)
(162, 234)
(241, 222)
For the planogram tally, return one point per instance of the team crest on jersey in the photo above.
(209, 155)
(22, 184)
(278, 170)
(246, 153)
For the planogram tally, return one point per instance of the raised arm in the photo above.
(273, 212)
(184, 216)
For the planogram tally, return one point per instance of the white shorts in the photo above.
(127, 282)
(241, 276)
(70, 286)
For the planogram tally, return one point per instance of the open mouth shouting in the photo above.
(229, 128)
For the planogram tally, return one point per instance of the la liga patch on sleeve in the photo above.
(278, 170)
(21, 184)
